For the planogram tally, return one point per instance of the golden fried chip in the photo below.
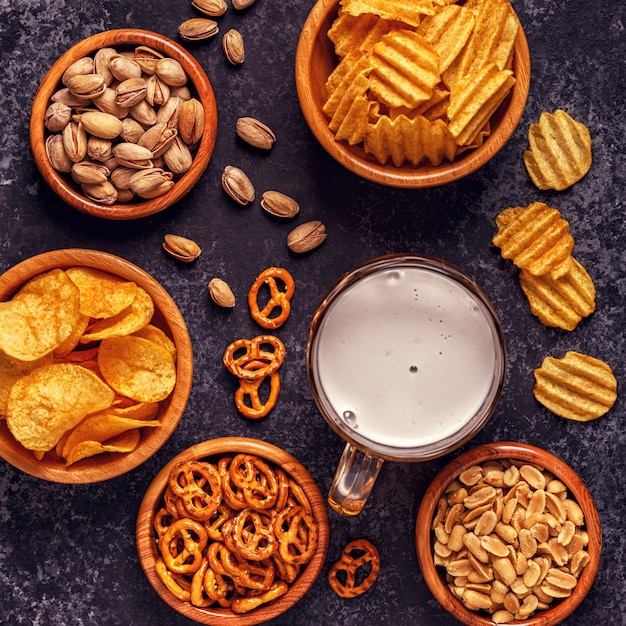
(474, 99)
(349, 120)
(536, 239)
(101, 295)
(560, 151)
(71, 342)
(409, 12)
(560, 303)
(137, 368)
(50, 400)
(110, 423)
(40, 317)
(155, 334)
(447, 31)
(126, 442)
(361, 32)
(405, 69)
(353, 65)
(130, 320)
(13, 369)
(578, 387)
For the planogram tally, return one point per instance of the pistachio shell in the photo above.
(181, 248)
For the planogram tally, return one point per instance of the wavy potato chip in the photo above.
(356, 32)
(560, 151)
(50, 400)
(40, 317)
(577, 387)
(137, 368)
(101, 295)
(409, 12)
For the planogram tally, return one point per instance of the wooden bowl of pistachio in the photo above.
(123, 124)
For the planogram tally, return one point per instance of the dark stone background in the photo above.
(68, 553)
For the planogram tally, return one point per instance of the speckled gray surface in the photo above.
(67, 552)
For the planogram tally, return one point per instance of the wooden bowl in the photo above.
(433, 576)
(166, 316)
(213, 450)
(125, 38)
(315, 59)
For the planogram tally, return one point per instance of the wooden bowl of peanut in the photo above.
(316, 58)
(508, 533)
(255, 525)
(123, 125)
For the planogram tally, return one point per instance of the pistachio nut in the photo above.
(56, 117)
(107, 104)
(103, 193)
(255, 133)
(279, 204)
(178, 156)
(130, 92)
(191, 121)
(197, 29)
(147, 58)
(90, 173)
(158, 138)
(181, 91)
(121, 176)
(132, 130)
(65, 96)
(56, 154)
(99, 149)
(132, 155)
(83, 65)
(237, 185)
(147, 180)
(181, 248)
(101, 63)
(171, 72)
(212, 8)
(124, 195)
(221, 293)
(124, 68)
(103, 125)
(157, 92)
(169, 112)
(143, 113)
(240, 5)
(306, 237)
(75, 141)
(232, 44)
(86, 86)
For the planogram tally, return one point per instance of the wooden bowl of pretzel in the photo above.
(508, 533)
(232, 531)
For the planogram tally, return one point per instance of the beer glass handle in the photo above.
(354, 480)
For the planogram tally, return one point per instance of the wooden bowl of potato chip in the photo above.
(541, 519)
(302, 509)
(96, 365)
(316, 59)
(165, 180)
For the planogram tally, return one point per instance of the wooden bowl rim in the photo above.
(146, 546)
(357, 161)
(107, 465)
(61, 185)
(522, 452)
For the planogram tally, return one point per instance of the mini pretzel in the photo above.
(356, 554)
(199, 488)
(243, 605)
(253, 351)
(297, 535)
(278, 299)
(250, 389)
(178, 585)
(182, 544)
(256, 479)
(252, 538)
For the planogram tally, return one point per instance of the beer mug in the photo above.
(406, 361)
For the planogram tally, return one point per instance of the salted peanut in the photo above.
(528, 607)
(441, 549)
(566, 533)
(511, 476)
(442, 507)
(557, 487)
(560, 579)
(511, 603)
(527, 543)
(504, 570)
(480, 497)
(502, 617)
(486, 523)
(494, 545)
(541, 595)
(472, 543)
(498, 592)
(495, 478)
(507, 533)
(532, 574)
(460, 567)
(556, 506)
(457, 495)
(482, 572)
(574, 512)
(453, 516)
(455, 538)
(477, 599)
(471, 476)
(537, 502)
(540, 532)
(555, 592)
(521, 565)
(533, 476)
(508, 510)
(578, 562)
(558, 552)
(473, 515)
(576, 544)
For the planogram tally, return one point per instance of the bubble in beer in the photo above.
(349, 417)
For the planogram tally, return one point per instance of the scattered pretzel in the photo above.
(279, 300)
(355, 555)
(256, 408)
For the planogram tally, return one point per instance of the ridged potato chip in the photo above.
(560, 151)
(50, 400)
(577, 387)
(356, 32)
(409, 12)
(560, 303)
(536, 238)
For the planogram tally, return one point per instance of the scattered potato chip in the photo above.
(577, 387)
(536, 239)
(50, 400)
(559, 153)
(560, 303)
(137, 368)
(128, 321)
(40, 317)
(126, 442)
(101, 295)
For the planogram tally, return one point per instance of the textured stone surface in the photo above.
(68, 554)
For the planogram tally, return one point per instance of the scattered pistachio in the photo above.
(232, 44)
(181, 248)
(237, 185)
(306, 237)
(255, 133)
(212, 8)
(279, 204)
(197, 29)
(221, 293)
(239, 5)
